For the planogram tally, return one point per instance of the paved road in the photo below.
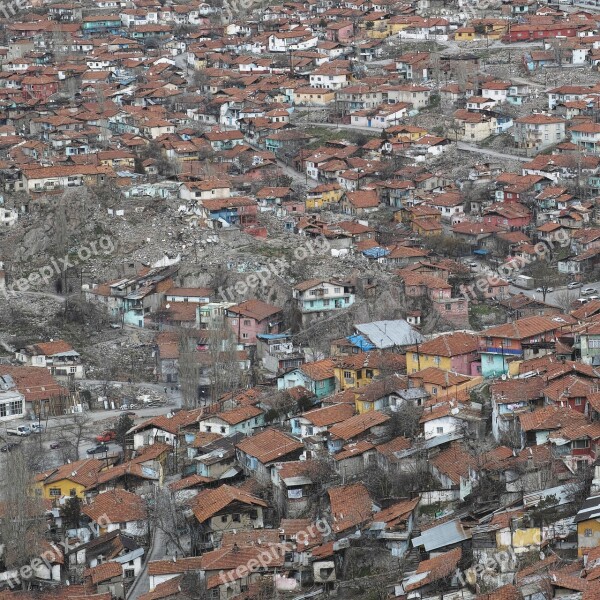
(478, 150)
(558, 295)
(155, 552)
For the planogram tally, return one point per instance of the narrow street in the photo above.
(156, 551)
(477, 150)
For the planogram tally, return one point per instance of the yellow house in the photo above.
(437, 382)
(358, 370)
(69, 480)
(588, 525)
(427, 227)
(376, 395)
(401, 132)
(314, 96)
(399, 22)
(448, 352)
(464, 34)
(376, 25)
(323, 195)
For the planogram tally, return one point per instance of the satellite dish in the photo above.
(167, 306)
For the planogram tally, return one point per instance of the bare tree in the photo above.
(189, 368)
(72, 434)
(23, 520)
(224, 369)
(167, 517)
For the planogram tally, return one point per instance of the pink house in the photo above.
(342, 31)
(439, 291)
(253, 317)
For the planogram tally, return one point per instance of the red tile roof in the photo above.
(210, 502)
(270, 445)
(351, 506)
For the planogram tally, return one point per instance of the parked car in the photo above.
(130, 413)
(9, 447)
(99, 449)
(106, 436)
(587, 291)
(541, 290)
(37, 428)
(21, 430)
(574, 285)
(54, 445)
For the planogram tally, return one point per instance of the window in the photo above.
(587, 533)
(247, 322)
(209, 428)
(579, 444)
(439, 430)
(448, 307)
(222, 429)
(437, 360)
(223, 518)
(235, 518)
(129, 573)
(337, 290)
(348, 375)
(72, 492)
(244, 336)
(578, 401)
(55, 492)
(434, 390)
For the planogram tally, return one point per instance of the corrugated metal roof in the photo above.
(386, 334)
(443, 535)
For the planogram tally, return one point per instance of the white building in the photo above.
(12, 402)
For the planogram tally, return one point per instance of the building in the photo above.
(317, 297)
(538, 131)
(58, 356)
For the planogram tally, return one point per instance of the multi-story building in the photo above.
(316, 297)
(538, 131)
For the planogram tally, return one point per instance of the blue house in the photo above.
(318, 377)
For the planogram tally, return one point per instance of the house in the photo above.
(164, 429)
(40, 393)
(69, 480)
(319, 420)
(537, 425)
(118, 509)
(509, 398)
(587, 136)
(436, 381)
(473, 126)
(359, 369)
(457, 352)
(351, 508)
(588, 525)
(242, 419)
(318, 377)
(538, 131)
(222, 510)
(439, 571)
(360, 202)
(523, 338)
(251, 318)
(293, 487)
(106, 578)
(58, 356)
(259, 453)
(359, 427)
(317, 297)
